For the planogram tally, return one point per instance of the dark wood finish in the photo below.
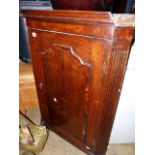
(79, 61)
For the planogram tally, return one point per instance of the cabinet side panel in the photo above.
(110, 92)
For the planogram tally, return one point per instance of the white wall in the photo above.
(124, 124)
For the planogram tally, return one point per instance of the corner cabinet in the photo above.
(79, 60)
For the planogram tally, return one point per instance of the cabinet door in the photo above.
(71, 68)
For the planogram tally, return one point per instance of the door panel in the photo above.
(67, 81)
(71, 69)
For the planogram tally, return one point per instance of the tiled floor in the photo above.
(57, 146)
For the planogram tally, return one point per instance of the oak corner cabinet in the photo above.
(79, 60)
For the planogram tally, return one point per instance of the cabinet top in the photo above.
(87, 17)
(87, 23)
